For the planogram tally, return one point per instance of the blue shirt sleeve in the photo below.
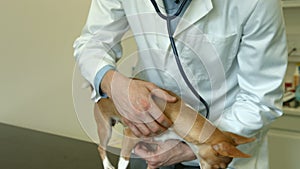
(99, 77)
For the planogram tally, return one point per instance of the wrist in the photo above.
(105, 84)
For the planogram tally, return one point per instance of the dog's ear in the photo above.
(229, 150)
(239, 139)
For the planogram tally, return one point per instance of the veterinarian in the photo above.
(233, 53)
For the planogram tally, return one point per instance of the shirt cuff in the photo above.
(98, 79)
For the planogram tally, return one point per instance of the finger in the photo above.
(155, 121)
(155, 161)
(155, 128)
(159, 116)
(139, 129)
(145, 131)
(145, 128)
(164, 121)
(132, 127)
(158, 92)
(154, 165)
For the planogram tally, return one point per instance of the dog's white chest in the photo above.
(167, 135)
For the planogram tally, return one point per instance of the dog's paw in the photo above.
(109, 167)
(122, 163)
(107, 164)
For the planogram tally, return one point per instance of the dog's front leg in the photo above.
(104, 132)
(128, 143)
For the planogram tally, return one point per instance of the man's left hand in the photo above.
(166, 153)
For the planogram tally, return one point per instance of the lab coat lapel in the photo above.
(196, 10)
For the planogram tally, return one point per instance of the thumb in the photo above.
(164, 94)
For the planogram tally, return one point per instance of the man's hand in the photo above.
(133, 100)
(166, 153)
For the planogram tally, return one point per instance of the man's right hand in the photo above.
(133, 100)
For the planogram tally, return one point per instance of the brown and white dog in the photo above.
(213, 148)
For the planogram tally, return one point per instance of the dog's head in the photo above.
(219, 155)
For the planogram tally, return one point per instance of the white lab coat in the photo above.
(233, 51)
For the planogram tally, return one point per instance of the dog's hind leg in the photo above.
(128, 143)
(104, 132)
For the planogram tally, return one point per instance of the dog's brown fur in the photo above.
(216, 148)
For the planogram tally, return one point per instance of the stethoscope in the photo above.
(169, 18)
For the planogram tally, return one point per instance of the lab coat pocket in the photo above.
(206, 55)
(225, 47)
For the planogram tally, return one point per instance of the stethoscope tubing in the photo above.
(169, 18)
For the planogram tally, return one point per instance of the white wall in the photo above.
(37, 63)
(292, 22)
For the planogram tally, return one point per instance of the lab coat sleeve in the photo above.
(99, 43)
(262, 61)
